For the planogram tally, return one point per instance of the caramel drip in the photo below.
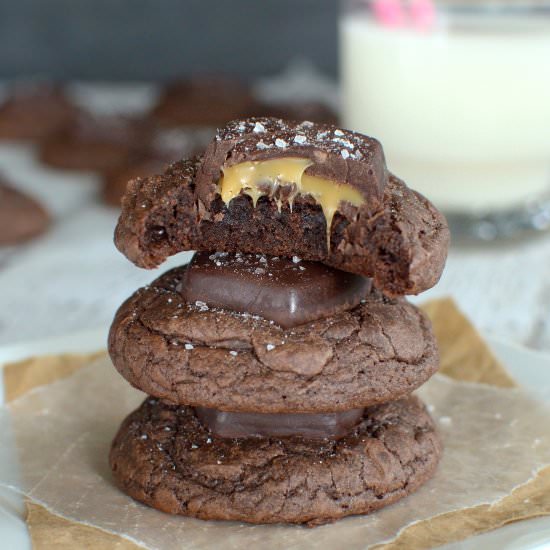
(260, 178)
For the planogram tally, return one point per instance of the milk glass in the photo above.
(459, 96)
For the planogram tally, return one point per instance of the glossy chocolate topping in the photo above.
(307, 425)
(289, 292)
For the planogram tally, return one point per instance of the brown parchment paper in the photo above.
(464, 356)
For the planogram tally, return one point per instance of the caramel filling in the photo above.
(284, 179)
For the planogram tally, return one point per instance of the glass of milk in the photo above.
(459, 96)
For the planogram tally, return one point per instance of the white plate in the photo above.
(530, 368)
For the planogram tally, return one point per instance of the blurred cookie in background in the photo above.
(314, 111)
(166, 146)
(115, 181)
(203, 101)
(34, 111)
(21, 217)
(95, 143)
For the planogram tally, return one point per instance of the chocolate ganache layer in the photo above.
(308, 425)
(288, 291)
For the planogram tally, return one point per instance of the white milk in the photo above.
(463, 113)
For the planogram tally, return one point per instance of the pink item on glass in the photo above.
(419, 14)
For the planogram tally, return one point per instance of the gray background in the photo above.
(147, 39)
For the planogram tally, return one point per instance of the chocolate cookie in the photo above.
(95, 143)
(35, 112)
(21, 217)
(402, 244)
(189, 353)
(164, 457)
(203, 101)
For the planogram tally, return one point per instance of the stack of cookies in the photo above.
(280, 362)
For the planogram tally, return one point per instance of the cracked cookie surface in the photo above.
(190, 354)
(164, 457)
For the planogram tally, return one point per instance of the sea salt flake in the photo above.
(167, 429)
(302, 268)
(233, 353)
(281, 143)
(338, 133)
(344, 153)
(261, 145)
(193, 446)
(259, 128)
(300, 139)
(143, 436)
(296, 259)
(270, 347)
(259, 271)
(344, 142)
(189, 346)
(201, 305)
(209, 440)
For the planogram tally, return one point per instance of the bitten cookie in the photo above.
(164, 457)
(268, 186)
(192, 354)
(21, 217)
